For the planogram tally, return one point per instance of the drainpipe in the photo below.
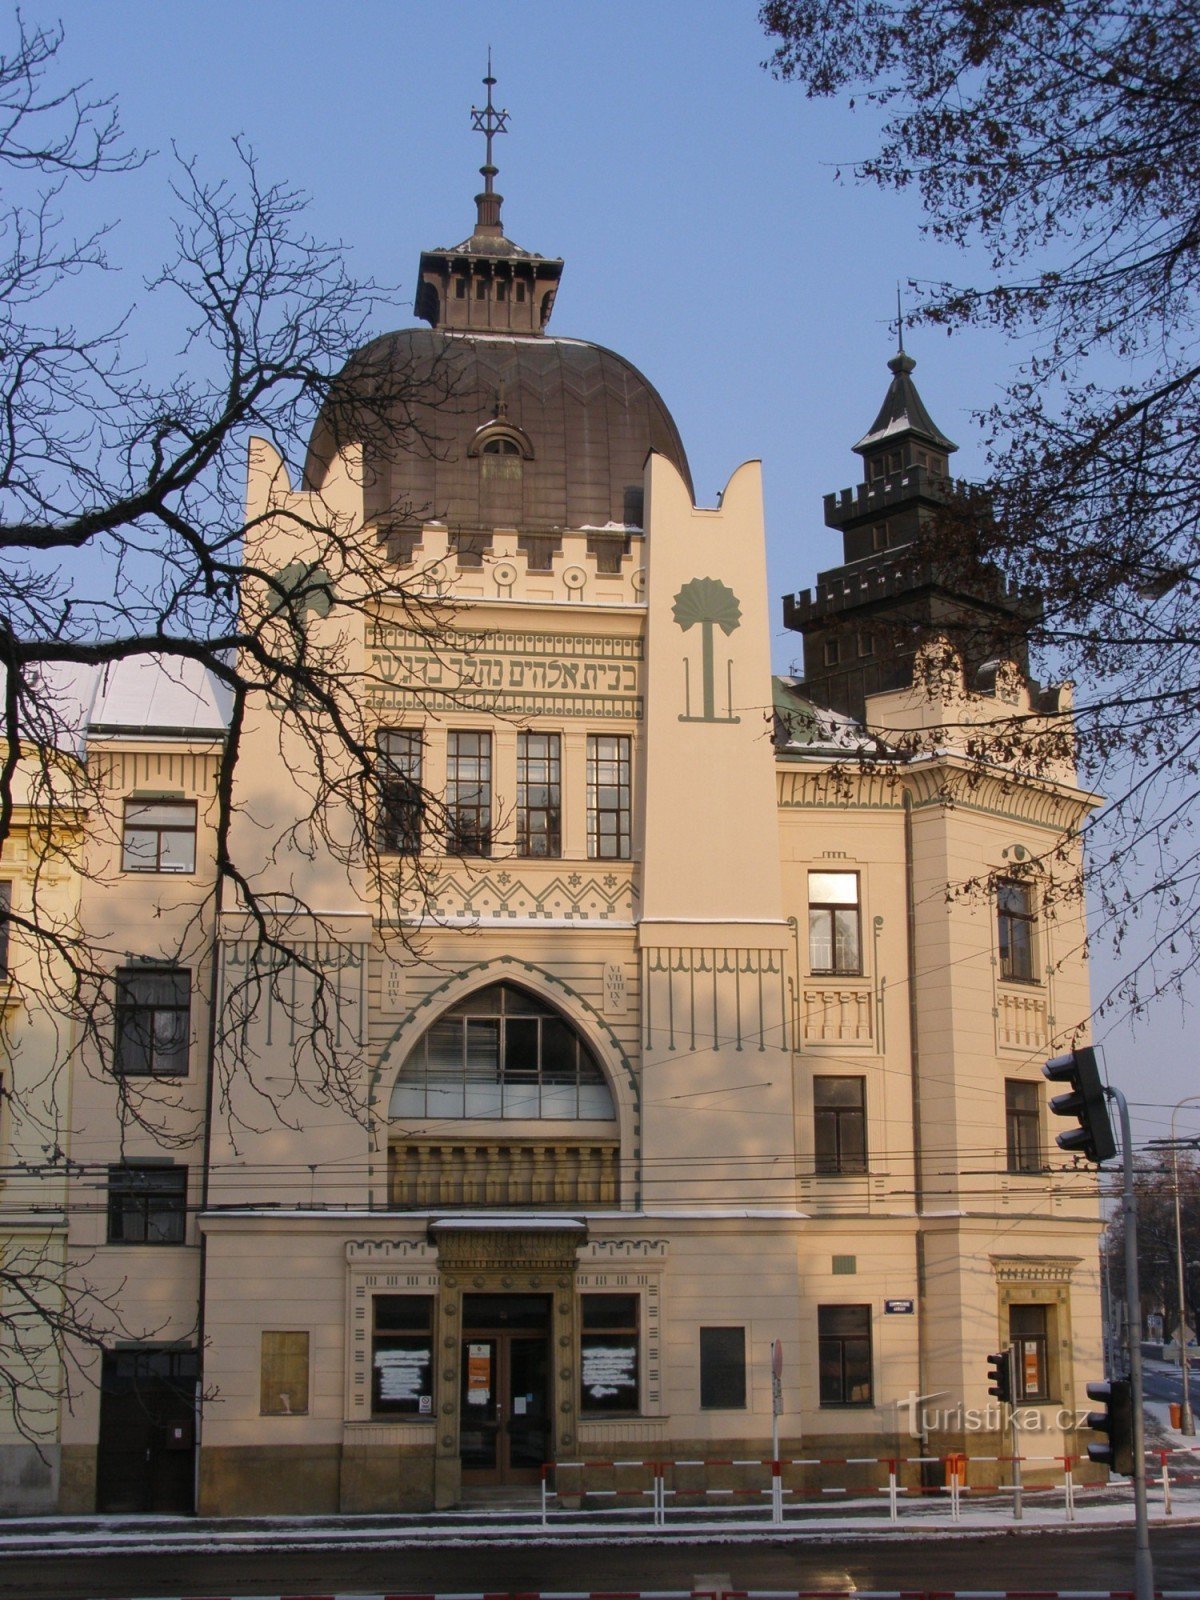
(914, 1049)
(205, 1166)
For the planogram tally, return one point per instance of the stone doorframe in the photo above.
(504, 1257)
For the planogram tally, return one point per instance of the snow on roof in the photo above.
(804, 728)
(154, 692)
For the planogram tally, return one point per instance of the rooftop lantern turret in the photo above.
(487, 284)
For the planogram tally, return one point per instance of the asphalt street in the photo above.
(1079, 1558)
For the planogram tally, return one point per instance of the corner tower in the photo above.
(866, 619)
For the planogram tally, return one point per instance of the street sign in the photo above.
(897, 1308)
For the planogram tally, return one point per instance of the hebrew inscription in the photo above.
(505, 671)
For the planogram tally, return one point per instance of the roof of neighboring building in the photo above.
(804, 729)
(169, 696)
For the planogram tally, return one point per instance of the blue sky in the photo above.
(695, 201)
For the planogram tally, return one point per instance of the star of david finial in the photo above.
(489, 122)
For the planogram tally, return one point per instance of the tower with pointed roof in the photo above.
(865, 620)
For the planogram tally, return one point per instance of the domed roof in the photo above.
(577, 421)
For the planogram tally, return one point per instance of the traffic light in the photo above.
(1116, 1420)
(1093, 1138)
(1000, 1373)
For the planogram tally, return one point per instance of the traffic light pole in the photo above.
(1143, 1567)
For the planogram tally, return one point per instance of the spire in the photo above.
(489, 122)
(902, 414)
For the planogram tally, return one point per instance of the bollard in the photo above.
(777, 1492)
(893, 1497)
(1166, 1483)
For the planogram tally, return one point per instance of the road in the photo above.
(1079, 1558)
(1162, 1384)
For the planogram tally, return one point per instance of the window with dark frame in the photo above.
(1028, 1332)
(722, 1369)
(1015, 918)
(539, 794)
(153, 1015)
(283, 1374)
(504, 1053)
(159, 836)
(844, 1355)
(399, 753)
(402, 1355)
(609, 1352)
(610, 796)
(469, 794)
(840, 1125)
(147, 1204)
(834, 941)
(1022, 1120)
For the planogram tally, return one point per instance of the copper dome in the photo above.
(582, 419)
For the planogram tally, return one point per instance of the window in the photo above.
(159, 836)
(610, 789)
(608, 1347)
(832, 652)
(866, 645)
(153, 1022)
(398, 769)
(1015, 919)
(833, 926)
(1028, 1332)
(539, 794)
(402, 1354)
(146, 1204)
(470, 548)
(840, 1121)
(460, 289)
(1022, 1107)
(501, 1053)
(722, 1369)
(469, 794)
(844, 1355)
(283, 1375)
(5, 912)
(879, 536)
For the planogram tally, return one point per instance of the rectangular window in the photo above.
(840, 1124)
(1022, 1108)
(844, 1355)
(722, 1369)
(1015, 920)
(153, 1022)
(834, 945)
(283, 1375)
(469, 794)
(146, 1204)
(5, 910)
(539, 794)
(610, 791)
(1028, 1332)
(608, 1347)
(159, 836)
(402, 1355)
(398, 770)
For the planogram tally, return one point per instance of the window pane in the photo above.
(840, 1092)
(722, 1368)
(153, 1021)
(400, 798)
(159, 836)
(609, 1350)
(833, 888)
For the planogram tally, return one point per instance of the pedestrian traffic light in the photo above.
(1093, 1138)
(1116, 1420)
(1000, 1373)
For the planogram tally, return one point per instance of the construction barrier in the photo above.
(770, 1489)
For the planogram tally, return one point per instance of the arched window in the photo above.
(502, 1053)
(502, 451)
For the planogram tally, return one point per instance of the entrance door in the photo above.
(144, 1460)
(505, 1388)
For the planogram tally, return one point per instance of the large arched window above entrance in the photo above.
(502, 1053)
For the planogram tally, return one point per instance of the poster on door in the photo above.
(1033, 1373)
(479, 1374)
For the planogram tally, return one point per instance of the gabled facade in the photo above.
(653, 1039)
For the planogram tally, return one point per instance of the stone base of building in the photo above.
(29, 1479)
